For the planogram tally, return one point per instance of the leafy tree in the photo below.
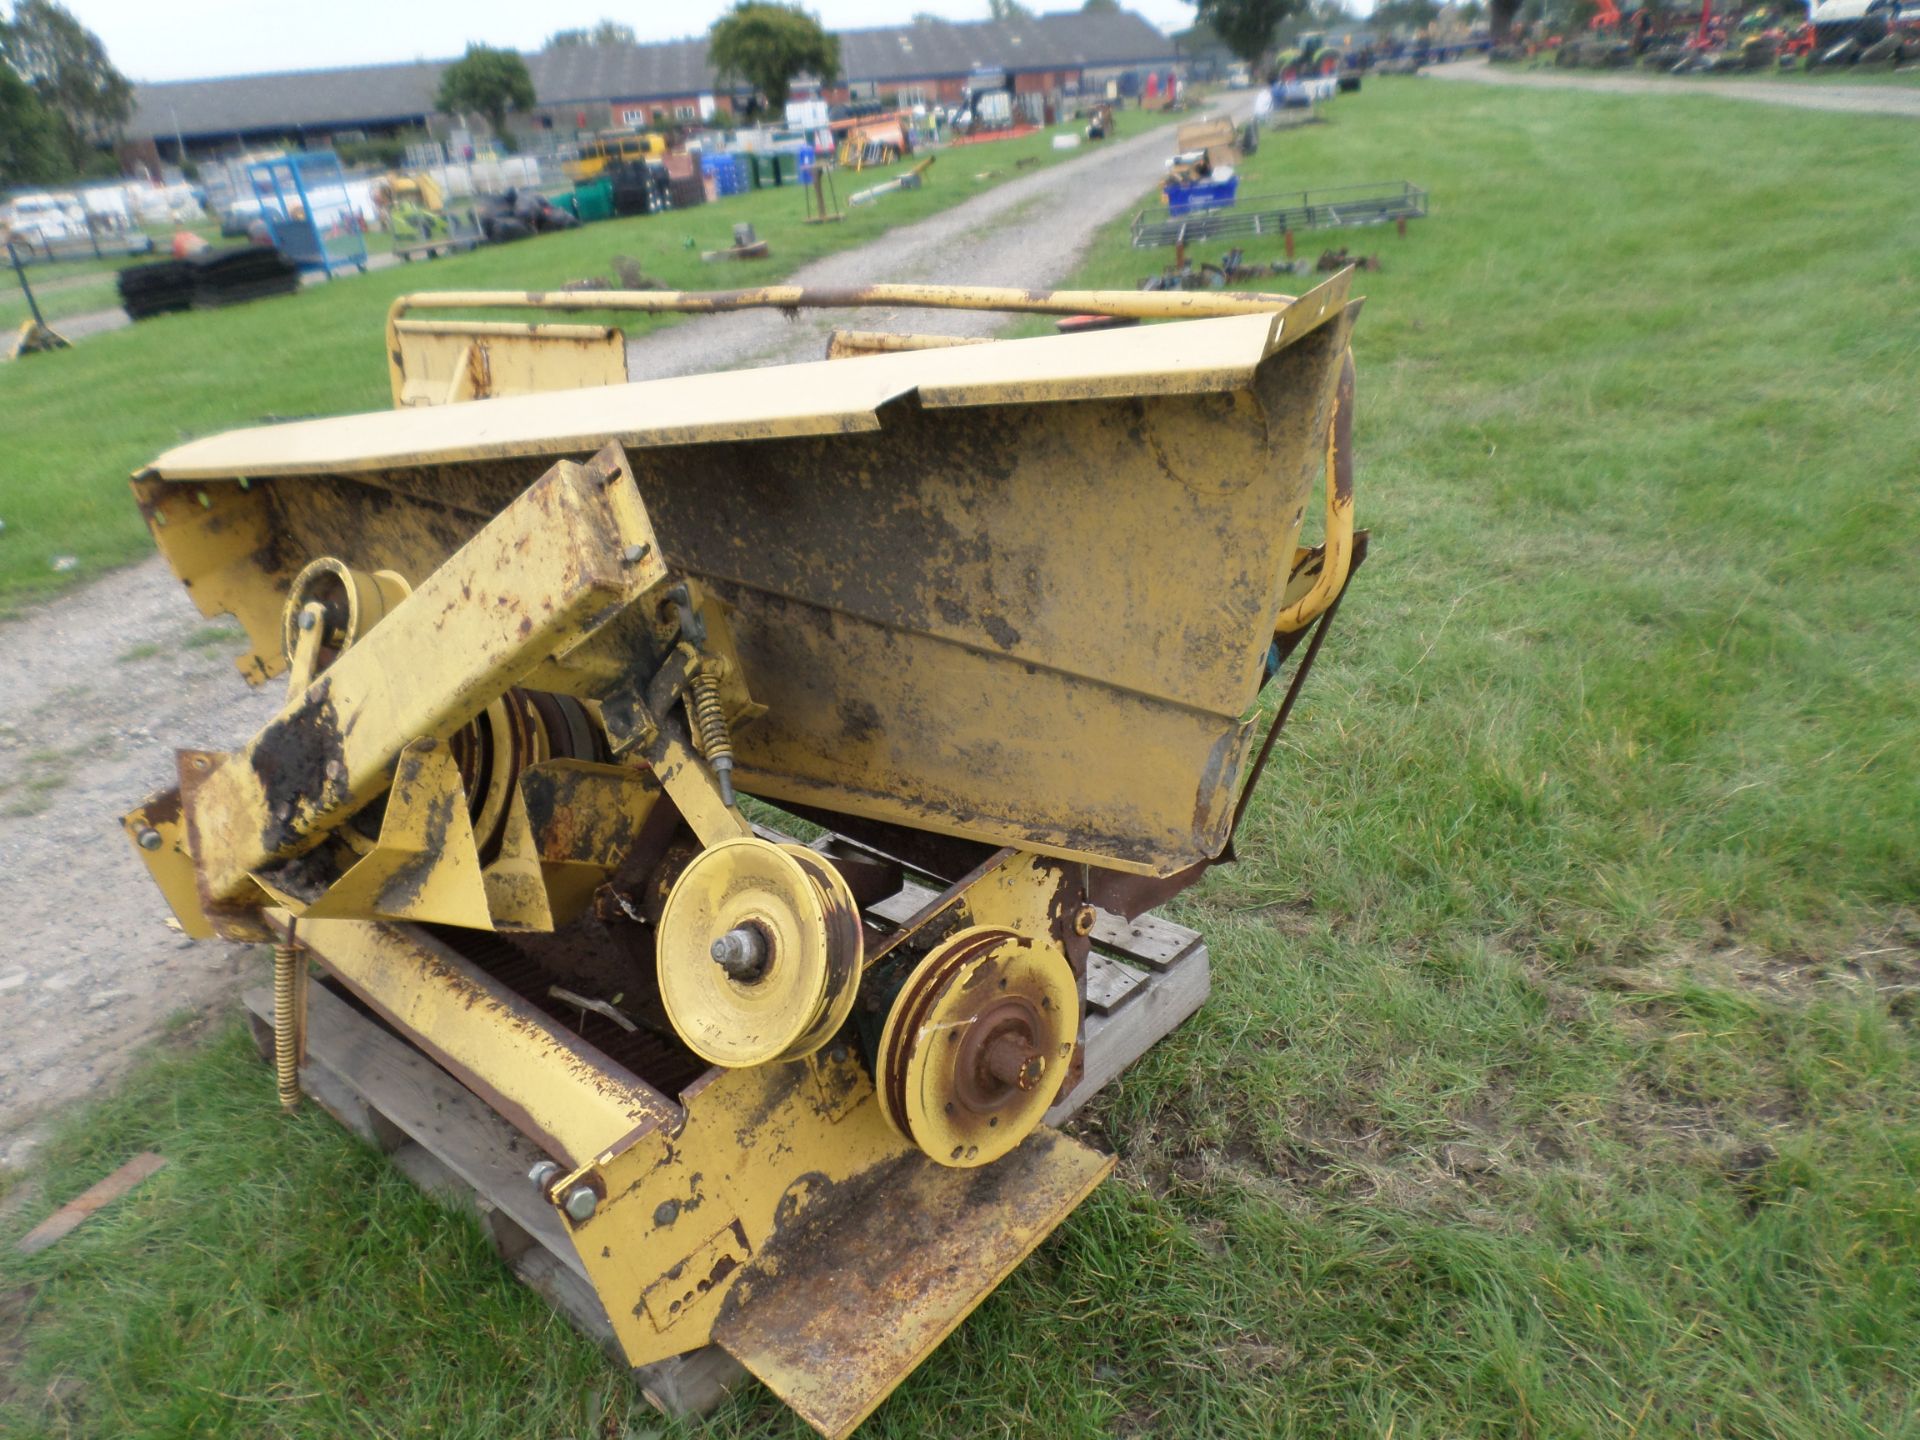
(1500, 15)
(767, 45)
(33, 141)
(1100, 7)
(490, 82)
(68, 68)
(1247, 26)
(607, 32)
(1008, 10)
(1405, 14)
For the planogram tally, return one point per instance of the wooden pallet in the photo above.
(1143, 979)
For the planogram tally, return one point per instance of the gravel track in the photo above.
(1852, 99)
(98, 687)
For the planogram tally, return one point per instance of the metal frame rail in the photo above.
(1343, 207)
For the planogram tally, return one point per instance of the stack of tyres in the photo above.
(640, 187)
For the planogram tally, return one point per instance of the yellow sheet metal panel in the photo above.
(844, 1304)
(819, 398)
(1034, 622)
(550, 1085)
(478, 360)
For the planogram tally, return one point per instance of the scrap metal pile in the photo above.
(999, 612)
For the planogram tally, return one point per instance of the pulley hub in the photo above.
(977, 1044)
(759, 952)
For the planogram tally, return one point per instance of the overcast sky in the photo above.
(190, 39)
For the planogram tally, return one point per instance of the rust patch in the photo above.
(300, 762)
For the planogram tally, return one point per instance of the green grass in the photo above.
(1560, 1076)
(62, 474)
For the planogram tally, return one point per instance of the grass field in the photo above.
(63, 475)
(1560, 1076)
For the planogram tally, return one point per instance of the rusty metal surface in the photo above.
(835, 1310)
(846, 344)
(532, 582)
(933, 649)
(548, 1083)
(439, 363)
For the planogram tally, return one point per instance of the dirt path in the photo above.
(1853, 99)
(1030, 232)
(99, 687)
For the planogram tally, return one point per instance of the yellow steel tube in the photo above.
(1127, 304)
(1338, 554)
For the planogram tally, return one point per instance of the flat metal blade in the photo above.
(865, 1278)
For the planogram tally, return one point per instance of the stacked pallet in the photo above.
(156, 289)
(245, 272)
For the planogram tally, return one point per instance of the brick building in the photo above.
(588, 88)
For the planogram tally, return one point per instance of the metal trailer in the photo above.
(1340, 208)
(313, 220)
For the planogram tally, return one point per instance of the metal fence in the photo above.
(1339, 208)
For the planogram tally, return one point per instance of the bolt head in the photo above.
(581, 1202)
(636, 553)
(543, 1174)
(149, 838)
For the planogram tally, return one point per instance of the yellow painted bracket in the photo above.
(425, 866)
(556, 564)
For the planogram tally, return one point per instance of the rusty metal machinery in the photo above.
(999, 611)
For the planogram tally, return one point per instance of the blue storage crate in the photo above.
(1208, 195)
(728, 173)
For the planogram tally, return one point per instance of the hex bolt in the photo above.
(634, 554)
(580, 1203)
(543, 1174)
(148, 838)
(741, 952)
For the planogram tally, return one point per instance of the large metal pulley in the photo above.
(759, 952)
(977, 1044)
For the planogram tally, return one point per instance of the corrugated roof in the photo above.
(369, 94)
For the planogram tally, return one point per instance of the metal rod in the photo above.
(25, 289)
(1127, 304)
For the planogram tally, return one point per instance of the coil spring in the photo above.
(710, 723)
(286, 1059)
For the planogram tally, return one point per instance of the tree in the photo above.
(1247, 26)
(1008, 10)
(488, 81)
(1405, 14)
(1500, 15)
(33, 140)
(767, 45)
(607, 32)
(69, 71)
(1100, 7)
